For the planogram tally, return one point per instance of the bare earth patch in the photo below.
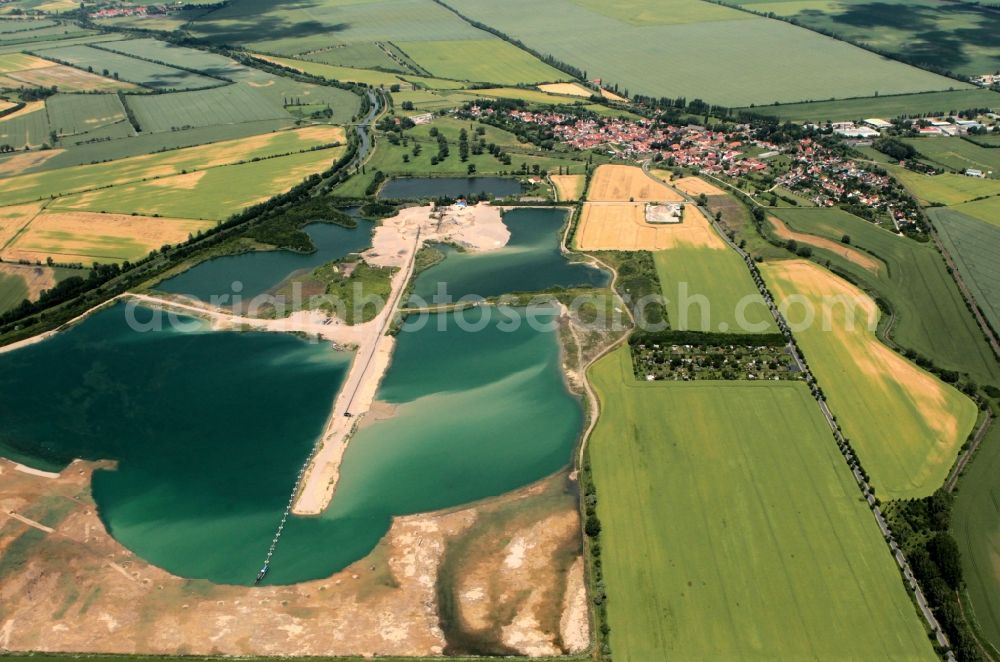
(110, 601)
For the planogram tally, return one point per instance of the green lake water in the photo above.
(210, 430)
(252, 274)
(530, 262)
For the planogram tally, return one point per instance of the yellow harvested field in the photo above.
(621, 183)
(30, 107)
(21, 161)
(607, 94)
(697, 186)
(67, 79)
(569, 89)
(568, 187)
(4, 105)
(906, 424)
(14, 218)
(93, 237)
(19, 62)
(623, 226)
(863, 260)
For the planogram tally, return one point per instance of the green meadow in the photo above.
(717, 288)
(929, 315)
(885, 106)
(400, 160)
(732, 528)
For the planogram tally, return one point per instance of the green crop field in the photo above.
(958, 154)
(148, 74)
(883, 106)
(151, 142)
(527, 95)
(484, 60)
(334, 72)
(206, 62)
(929, 314)
(975, 247)
(975, 524)
(29, 129)
(167, 22)
(989, 140)
(946, 189)
(732, 529)
(31, 37)
(59, 39)
(24, 25)
(987, 210)
(220, 105)
(36, 186)
(906, 425)
(80, 113)
(13, 290)
(958, 37)
(695, 58)
(286, 29)
(213, 194)
(364, 55)
(692, 276)
(429, 100)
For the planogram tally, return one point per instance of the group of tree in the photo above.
(921, 528)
